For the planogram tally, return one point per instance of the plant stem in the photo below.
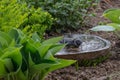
(77, 65)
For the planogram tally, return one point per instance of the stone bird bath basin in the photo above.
(91, 47)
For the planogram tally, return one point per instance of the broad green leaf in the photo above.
(8, 64)
(41, 68)
(3, 71)
(43, 49)
(13, 44)
(51, 52)
(115, 25)
(20, 75)
(113, 15)
(5, 36)
(1, 52)
(30, 61)
(36, 38)
(49, 56)
(30, 47)
(14, 34)
(52, 40)
(34, 53)
(37, 44)
(18, 36)
(15, 55)
(61, 64)
(3, 43)
(56, 49)
(103, 28)
(25, 58)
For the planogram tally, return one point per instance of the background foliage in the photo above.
(19, 15)
(68, 13)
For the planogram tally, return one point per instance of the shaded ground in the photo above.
(108, 70)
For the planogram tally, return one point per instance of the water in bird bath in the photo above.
(88, 43)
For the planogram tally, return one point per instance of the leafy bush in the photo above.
(114, 16)
(11, 14)
(24, 58)
(38, 21)
(30, 20)
(68, 13)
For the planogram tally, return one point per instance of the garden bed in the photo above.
(109, 69)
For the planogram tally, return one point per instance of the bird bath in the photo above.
(89, 47)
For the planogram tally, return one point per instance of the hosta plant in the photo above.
(25, 58)
(114, 16)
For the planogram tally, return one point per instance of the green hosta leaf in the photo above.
(13, 44)
(1, 52)
(17, 35)
(35, 37)
(6, 37)
(14, 34)
(30, 61)
(49, 56)
(25, 58)
(45, 68)
(43, 49)
(48, 50)
(30, 47)
(113, 15)
(56, 49)
(115, 25)
(39, 67)
(3, 71)
(52, 40)
(34, 53)
(20, 75)
(103, 28)
(15, 55)
(8, 64)
(42, 68)
(61, 64)
(3, 43)
(37, 44)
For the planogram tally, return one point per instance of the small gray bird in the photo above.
(71, 43)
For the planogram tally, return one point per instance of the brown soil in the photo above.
(109, 69)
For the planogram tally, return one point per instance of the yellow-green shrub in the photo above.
(19, 15)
